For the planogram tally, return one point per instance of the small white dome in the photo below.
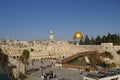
(51, 32)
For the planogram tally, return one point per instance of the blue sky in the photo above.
(33, 19)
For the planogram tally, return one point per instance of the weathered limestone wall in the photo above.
(20, 67)
(91, 48)
(58, 49)
(40, 54)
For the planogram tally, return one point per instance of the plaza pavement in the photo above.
(68, 74)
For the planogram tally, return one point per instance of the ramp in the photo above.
(80, 54)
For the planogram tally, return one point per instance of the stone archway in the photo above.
(14, 57)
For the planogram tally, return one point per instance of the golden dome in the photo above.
(77, 35)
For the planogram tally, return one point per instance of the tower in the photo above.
(7, 39)
(51, 35)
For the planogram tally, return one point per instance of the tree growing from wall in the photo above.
(32, 49)
(118, 52)
(108, 54)
(94, 59)
(25, 55)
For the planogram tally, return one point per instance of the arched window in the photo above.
(13, 56)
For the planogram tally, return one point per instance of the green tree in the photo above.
(109, 38)
(98, 40)
(113, 38)
(32, 49)
(81, 42)
(94, 59)
(25, 55)
(118, 39)
(104, 39)
(92, 41)
(108, 54)
(102, 64)
(75, 42)
(87, 40)
(112, 65)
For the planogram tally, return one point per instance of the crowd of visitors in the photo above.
(31, 71)
(46, 70)
(48, 75)
(39, 65)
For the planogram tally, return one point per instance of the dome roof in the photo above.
(51, 32)
(77, 35)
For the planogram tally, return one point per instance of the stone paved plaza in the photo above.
(67, 74)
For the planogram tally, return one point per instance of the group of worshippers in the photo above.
(47, 76)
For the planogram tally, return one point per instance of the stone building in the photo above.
(58, 49)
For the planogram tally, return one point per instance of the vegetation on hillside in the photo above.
(114, 38)
(32, 49)
(96, 61)
(106, 65)
(107, 55)
(94, 58)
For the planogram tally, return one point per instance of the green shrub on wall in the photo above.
(118, 52)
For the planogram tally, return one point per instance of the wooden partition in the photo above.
(77, 67)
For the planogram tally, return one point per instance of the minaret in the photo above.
(7, 39)
(51, 35)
